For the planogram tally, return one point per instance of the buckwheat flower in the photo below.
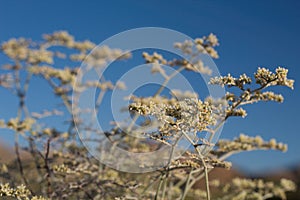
(258, 140)
(264, 76)
(6, 190)
(61, 169)
(27, 124)
(230, 97)
(47, 131)
(199, 41)
(97, 84)
(38, 56)
(61, 38)
(288, 185)
(246, 95)
(185, 47)
(22, 191)
(156, 68)
(121, 85)
(16, 48)
(212, 52)
(154, 58)
(223, 80)
(218, 103)
(181, 95)
(78, 57)
(273, 143)
(102, 55)
(39, 198)
(84, 46)
(247, 143)
(243, 138)
(272, 96)
(282, 147)
(266, 96)
(213, 39)
(147, 57)
(13, 123)
(255, 189)
(240, 112)
(157, 56)
(60, 54)
(197, 66)
(66, 76)
(199, 47)
(46, 113)
(281, 74)
(289, 83)
(6, 80)
(244, 79)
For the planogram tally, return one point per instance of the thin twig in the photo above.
(47, 167)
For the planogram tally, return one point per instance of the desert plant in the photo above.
(60, 167)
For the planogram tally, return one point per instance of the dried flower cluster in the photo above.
(194, 48)
(247, 143)
(20, 192)
(57, 166)
(256, 189)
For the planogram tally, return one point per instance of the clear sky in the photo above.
(252, 33)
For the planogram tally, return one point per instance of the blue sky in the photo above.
(251, 33)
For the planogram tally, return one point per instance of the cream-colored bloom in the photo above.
(213, 39)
